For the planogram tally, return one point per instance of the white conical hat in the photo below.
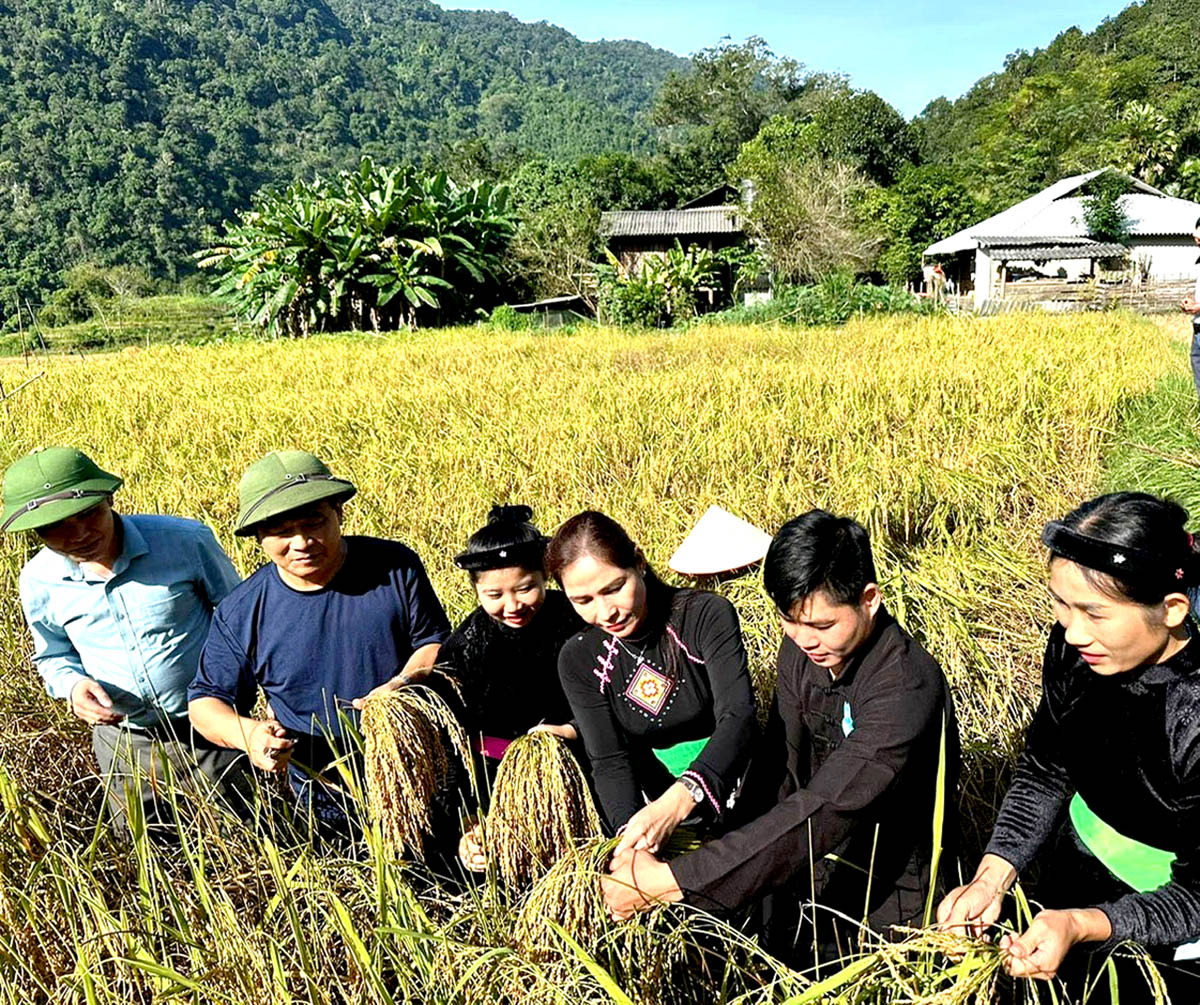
(720, 542)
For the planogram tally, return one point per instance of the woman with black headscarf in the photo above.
(1106, 796)
(505, 653)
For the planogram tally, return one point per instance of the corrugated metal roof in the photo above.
(670, 222)
(1054, 215)
(1047, 252)
(1016, 240)
(570, 298)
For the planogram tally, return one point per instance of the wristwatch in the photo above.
(693, 787)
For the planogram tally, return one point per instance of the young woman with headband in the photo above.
(505, 653)
(1106, 795)
(658, 685)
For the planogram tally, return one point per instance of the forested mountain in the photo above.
(128, 125)
(1127, 94)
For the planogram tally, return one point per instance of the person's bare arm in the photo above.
(414, 671)
(264, 740)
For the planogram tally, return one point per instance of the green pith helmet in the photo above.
(283, 481)
(51, 484)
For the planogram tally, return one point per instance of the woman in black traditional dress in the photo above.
(658, 685)
(1106, 795)
(505, 653)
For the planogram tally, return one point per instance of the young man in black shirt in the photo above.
(847, 782)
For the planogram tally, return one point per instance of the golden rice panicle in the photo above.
(653, 954)
(569, 896)
(407, 762)
(541, 808)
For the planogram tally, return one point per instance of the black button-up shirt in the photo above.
(860, 758)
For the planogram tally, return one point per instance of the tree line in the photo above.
(132, 130)
(136, 132)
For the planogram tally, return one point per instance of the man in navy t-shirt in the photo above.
(330, 620)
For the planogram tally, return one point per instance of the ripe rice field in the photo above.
(952, 439)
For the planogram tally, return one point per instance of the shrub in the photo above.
(88, 286)
(660, 292)
(374, 248)
(833, 301)
(506, 319)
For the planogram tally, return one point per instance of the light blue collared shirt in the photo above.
(139, 634)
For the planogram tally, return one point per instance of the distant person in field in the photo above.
(1106, 796)
(328, 621)
(1191, 305)
(504, 655)
(843, 796)
(119, 607)
(658, 685)
(937, 280)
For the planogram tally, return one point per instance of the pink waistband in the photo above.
(492, 746)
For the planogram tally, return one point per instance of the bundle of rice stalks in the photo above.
(660, 957)
(405, 734)
(927, 967)
(568, 896)
(541, 809)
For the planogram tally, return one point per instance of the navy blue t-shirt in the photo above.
(313, 652)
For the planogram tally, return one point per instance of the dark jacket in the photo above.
(1129, 744)
(859, 757)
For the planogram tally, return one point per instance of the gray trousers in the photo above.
(139, 768)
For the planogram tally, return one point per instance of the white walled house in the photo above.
(1045, 235)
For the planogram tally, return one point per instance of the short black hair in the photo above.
(818, 551)
(1197, 227)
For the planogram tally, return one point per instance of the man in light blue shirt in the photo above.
(119, 607)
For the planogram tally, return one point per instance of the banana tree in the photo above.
(372, 248)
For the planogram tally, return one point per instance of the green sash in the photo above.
(1138, 865)
(679, 757)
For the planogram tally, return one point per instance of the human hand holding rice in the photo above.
(565, 732)
(970, 909)
(268, 746)
(637, 881)
(1040, 950)
(412, 675)
(650, 826)
(470, 847)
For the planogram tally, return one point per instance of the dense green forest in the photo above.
(133, 132)
(1126, 95)
(130, 125)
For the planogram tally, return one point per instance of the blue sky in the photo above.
(909, 53)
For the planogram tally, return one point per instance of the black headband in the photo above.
(527, 555)
(1127, 564)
